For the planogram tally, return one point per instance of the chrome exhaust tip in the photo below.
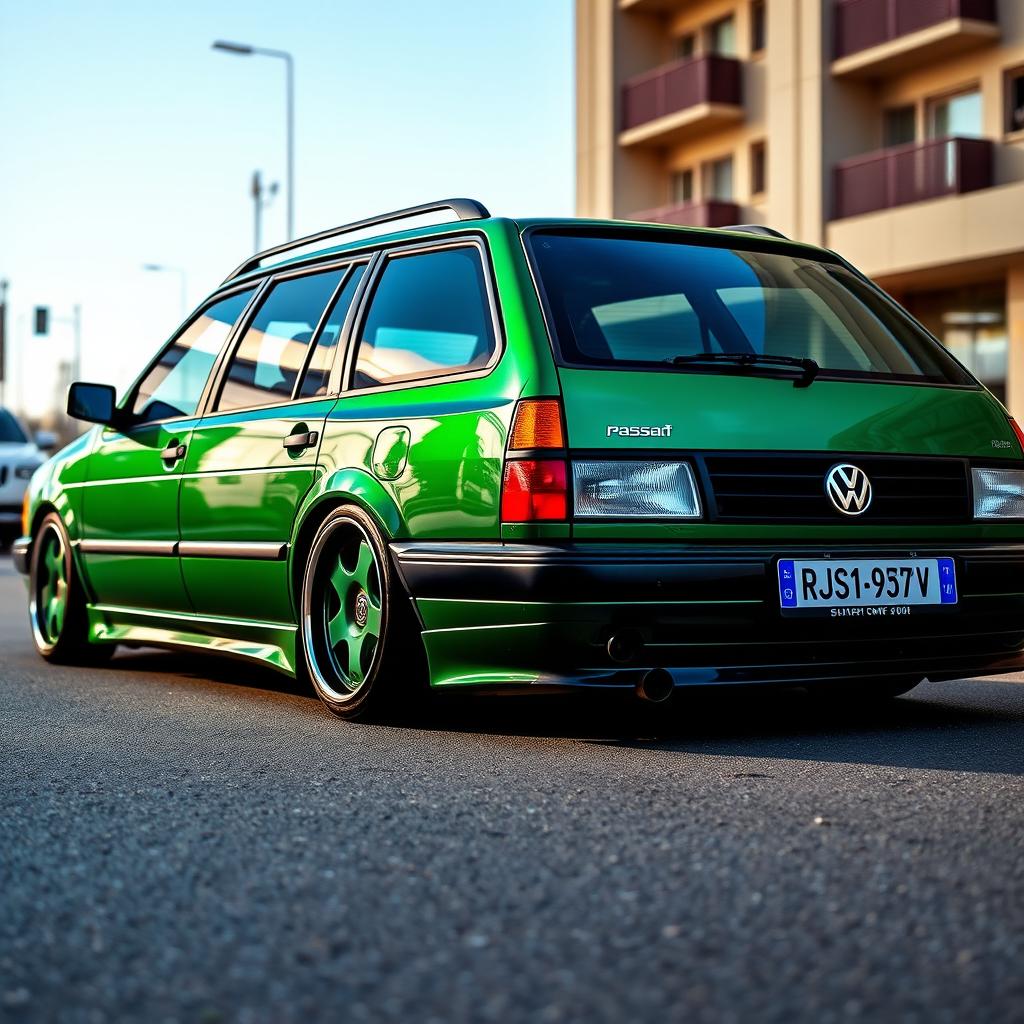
(655, 686)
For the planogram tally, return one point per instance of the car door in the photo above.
(130, 505)
(253, 456)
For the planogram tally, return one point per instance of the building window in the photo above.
(686, 46)
(971, 323)
(955, 115)
(718, 179)
(721, 37)
(900, 126)
(757, 29)
(1015, 100)
(758, 168)
(682, 187)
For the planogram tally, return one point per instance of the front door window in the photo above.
(175, 383)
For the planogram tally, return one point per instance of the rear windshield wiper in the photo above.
(809, 367)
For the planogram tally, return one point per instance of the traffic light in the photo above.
(42, 316)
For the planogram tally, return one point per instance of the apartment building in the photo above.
(889, 130)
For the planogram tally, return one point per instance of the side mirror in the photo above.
(95, 403)
(46, 440)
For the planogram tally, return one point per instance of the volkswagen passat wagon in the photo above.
(541, 454)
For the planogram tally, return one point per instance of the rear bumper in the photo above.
(544, 615)
(20, 551)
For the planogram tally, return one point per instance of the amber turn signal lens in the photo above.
(537, 424)
(24, 513)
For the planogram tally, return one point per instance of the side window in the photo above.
(175, 383)
(318, 371)
(268, 359)
(429, 316)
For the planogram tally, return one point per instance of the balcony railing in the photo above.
(910, 174)
(861, 24)
(685, 83)
(713, 213)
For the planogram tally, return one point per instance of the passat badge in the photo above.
(662, 431)
(848, 488)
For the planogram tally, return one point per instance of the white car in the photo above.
(20, 457)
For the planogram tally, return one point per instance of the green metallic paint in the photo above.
(710, 411)
(132, 494)
(240, 484)
(271, 644)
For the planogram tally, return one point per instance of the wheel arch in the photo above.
(344, 487)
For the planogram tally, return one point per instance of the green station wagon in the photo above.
(531, 455)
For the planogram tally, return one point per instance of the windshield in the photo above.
(618, 300)
(10, 429)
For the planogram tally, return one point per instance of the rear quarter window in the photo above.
(429, 316)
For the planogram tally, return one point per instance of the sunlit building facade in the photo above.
(889, 130)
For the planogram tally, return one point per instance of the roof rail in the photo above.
(755, 229)
(464, 209)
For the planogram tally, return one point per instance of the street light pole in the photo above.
(245, 50)
(161, 268)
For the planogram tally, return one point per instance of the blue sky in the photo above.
(127, 140)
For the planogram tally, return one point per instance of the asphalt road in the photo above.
(188, 840)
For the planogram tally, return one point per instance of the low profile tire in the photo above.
(56, 604)
(361, 647)
(865, 691)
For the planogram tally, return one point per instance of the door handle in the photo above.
(173, 452)
(296, 442)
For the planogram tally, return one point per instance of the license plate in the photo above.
(865, 587)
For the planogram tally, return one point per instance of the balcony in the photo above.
(674, 101)
(872, 38)
(911, 174)
(713, 213)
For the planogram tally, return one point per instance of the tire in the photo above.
(360, 643)
(865, 691)
(60, 627)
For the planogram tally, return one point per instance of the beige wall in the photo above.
(811, 118)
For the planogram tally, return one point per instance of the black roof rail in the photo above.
(755, 229)
(464, 209)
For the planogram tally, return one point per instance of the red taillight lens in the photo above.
(1018, 433)
(534, 490)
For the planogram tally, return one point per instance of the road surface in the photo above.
(184, 839)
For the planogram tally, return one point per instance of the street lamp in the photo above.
(161, 268)
(244, 50)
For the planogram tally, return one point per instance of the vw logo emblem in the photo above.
(362, 609)
(848, 488)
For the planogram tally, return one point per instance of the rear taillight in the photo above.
(1018, 433)
(535, 489)
(537, 424)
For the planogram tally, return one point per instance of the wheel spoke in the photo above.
(57, 615)
(337, 628)
(372, 617)
(364, 564)
(355, 650)
(340, 579)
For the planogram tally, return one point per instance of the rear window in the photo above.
(620, 300)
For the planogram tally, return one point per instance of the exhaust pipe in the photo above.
(655, 686)
(624, 645)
